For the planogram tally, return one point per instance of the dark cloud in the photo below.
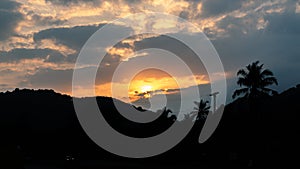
(9, 18)
(216, 7)
(172, 90)
(60, 80)
(6, 87)
(3, 85)
(157, 92)
(177, 48)
(22, 53)
(8, 5)
(277, 46)
(238, 27)
(74, 37)
(288, 23)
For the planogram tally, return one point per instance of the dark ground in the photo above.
(40, 130)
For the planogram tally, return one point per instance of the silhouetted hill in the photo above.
(42, 124)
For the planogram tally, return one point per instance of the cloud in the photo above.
(216, 7)
(287, 23)
(74, 37)
(3, 85)
(9, 18)
(46, 20)
(71, 40)
(59, 80)
(276, 44)
(68, 2)
(53, 56)
(51, 44)
(174, 46)
(18, 54)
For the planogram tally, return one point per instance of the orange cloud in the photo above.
(124, 53)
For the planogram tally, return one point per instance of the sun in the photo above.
(150, 82)
(146, 88)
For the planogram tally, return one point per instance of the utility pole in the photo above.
(214, 95)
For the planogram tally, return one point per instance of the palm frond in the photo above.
(266, 73)
(269, 91)
(243, 81)
(269, 81)
(239, 92)
(256, 63)
(202, 107)
(242, 72)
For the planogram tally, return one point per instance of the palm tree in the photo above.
(255, 80)
(202, 109)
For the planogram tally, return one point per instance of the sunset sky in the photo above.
(41, 39)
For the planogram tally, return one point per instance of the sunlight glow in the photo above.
(146, 88)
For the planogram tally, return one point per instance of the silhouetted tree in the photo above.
(202, 109)
(197, 119)
(255, 80)
(166, 112)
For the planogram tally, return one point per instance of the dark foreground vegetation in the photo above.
(41, 128)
